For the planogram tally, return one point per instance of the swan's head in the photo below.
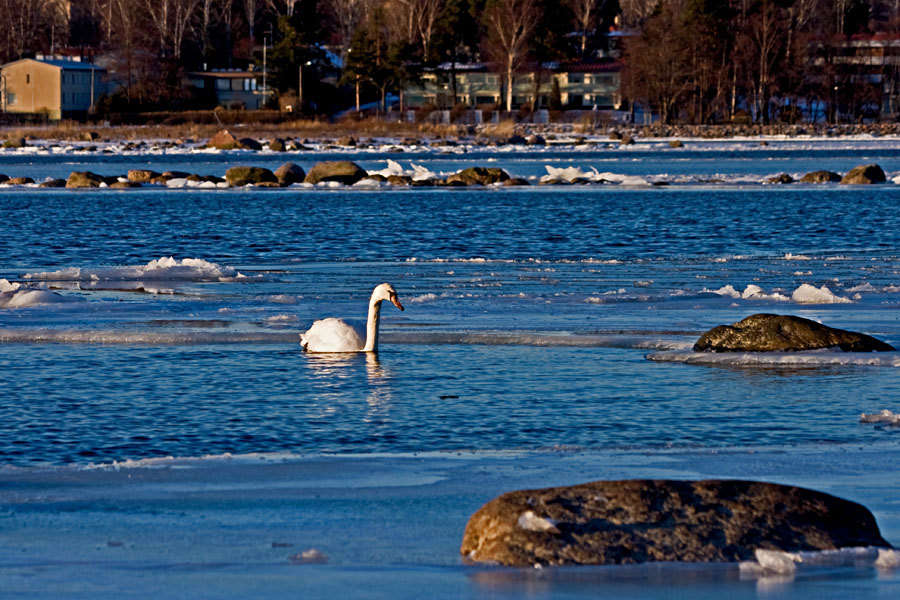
(386, 291)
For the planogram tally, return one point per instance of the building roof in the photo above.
(225, 74)
(67, 65)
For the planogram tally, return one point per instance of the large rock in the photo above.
(84, 179)
(289, 173)
(864, 174)
(342, 171)
(240, 176)
(636, 521)
(141, 175)
(784, 333)
(479, 176)
(224, 140)
(820, 177)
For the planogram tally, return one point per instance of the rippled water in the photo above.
(531, 314)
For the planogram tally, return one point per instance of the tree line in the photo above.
(698, 61)
(709, 61)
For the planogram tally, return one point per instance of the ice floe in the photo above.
(885, 417)
(775, 562)
(16, 295)
(161, 269)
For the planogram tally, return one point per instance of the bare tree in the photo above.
(585, 12)
(635, 12)
(429, 11)
(282, 7)
(251, 11)
(348, 15)
(510, 25)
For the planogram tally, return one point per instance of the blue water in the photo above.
(546, 341)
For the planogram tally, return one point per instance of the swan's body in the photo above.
(337, 335)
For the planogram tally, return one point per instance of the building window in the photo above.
(27, 78)
(575, 78)
(223, 84)
(12, 99)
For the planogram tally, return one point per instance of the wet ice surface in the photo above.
(389, 525)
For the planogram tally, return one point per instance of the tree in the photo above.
(510, 25)
(585, 13)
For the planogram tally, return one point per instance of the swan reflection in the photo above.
(334, 376)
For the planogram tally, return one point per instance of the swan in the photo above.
(336, 335)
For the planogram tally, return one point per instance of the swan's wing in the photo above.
(332, 335)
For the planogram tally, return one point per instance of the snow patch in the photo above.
(161, 269)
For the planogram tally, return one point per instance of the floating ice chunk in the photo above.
(392, 168)
(421, 173)
(531, 522)
(863, 287)
(754, 292)
(161, 269)
(788, 563)
(728, 291)
(789, 256)
(6, 286)
(885, 416)
(282, 319)
(808, 294)
(15, 295)
(569, 173)
(308, 557)
(178, 182)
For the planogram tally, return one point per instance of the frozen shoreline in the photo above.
(226, 526)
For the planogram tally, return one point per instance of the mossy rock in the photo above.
(341, 171)
(399, 179)
(479, 176)
(14, 143)
(241, 176)
(19, 180)
(515, 181)
(84, 179)
(780, 179)
(676, 144)
(277, 145)
(290, 173)
(124, 185)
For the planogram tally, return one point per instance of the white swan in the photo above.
(336, 335)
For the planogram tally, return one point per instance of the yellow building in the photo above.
(58, 87)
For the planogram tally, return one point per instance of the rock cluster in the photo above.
(636, 521)
(784, 333)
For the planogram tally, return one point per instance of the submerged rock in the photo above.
(289, 173)
(124, 185)
(864, 174)
(820, 177)
(342, 171)
(241, 176)
(53, 183)
(479, 176)
(636, 521)
(224, 140)
(784, 333)
(676, 144)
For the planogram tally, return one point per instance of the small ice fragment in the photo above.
(808, 294)
(888, 559)
(531, 522)
(885, 416)
(308, 557)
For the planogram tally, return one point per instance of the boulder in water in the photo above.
(820, 177)
(864, 174)
(241, 176)
(479, 176)
(342, 171)
(289, 173)
(636, 521)
(784, 333)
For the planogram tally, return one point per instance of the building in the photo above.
(232, 88)
(57, 87)
(581, 86)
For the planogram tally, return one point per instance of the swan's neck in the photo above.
(372, 326)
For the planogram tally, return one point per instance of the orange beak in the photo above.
(396, 302)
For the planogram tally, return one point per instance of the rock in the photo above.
(347, 140)
(626, 141)
(3, 178)
(763, 143)
(89, 136)
(141, 175)
(784, 333)
(555, 181)
(479, 176)
(676, 144)
(780, 179)
(864, 174)
(820, 177)
(536, 140)
(84, 179)
(277, 145)
(289, 173)
(516, 140)
(399, 179)
(176, 174)
(15, 143)
(53, 183)
(636, 521)
(422, 183)
(376, 177)
(19, 180)
(224, 140)
(124, 185)
(342, 171)
(615, 135)
(241, 176)
(515, 181)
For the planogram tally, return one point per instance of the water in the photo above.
(549, 327)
